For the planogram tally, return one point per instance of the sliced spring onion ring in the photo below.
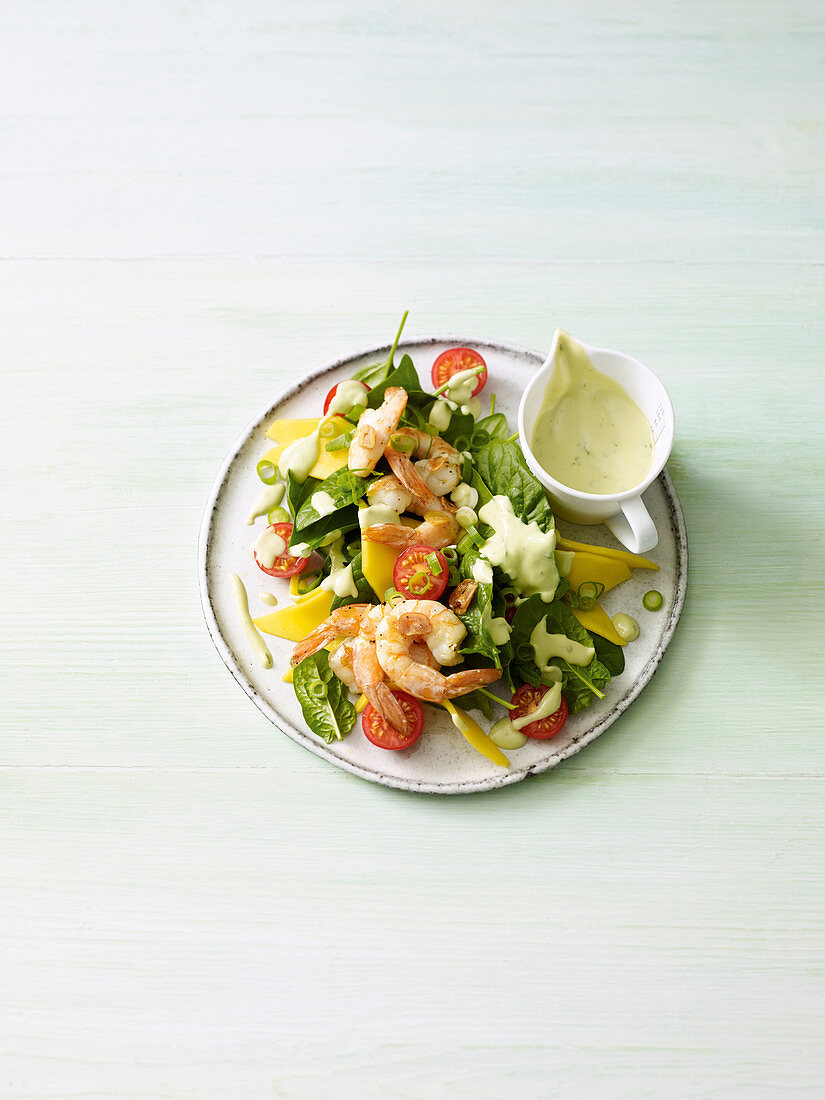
(652, 600)
(354, 415)
(588, 593)
(307, 582)
(267, 471)
(450, 553)
(403, 443)
(341, 442)
(418, 583)
(461, 443)
(317, 690)
(279, 515)
(327, 429)
(434, 564)
(393, 596)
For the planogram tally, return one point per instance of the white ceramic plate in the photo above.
(441, 761)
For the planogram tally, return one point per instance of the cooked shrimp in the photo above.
(375, 426)
(389, 491)
(446, 632)
(439, 464)
(440, 527)
(369, 677)
(340, 661)
(343, 622)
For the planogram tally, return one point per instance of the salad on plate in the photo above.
(420, 565)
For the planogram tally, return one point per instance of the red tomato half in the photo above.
(333, 391)
(453, 360)
(415, 577)
(526, 699)
(378, 730)
(286, 565)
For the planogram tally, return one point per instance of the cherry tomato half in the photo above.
(453, 360)
(333, 391)
(526, 699)
(416, 577)
(286, 565)
(378, 730)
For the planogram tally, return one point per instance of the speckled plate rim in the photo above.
(314, 744)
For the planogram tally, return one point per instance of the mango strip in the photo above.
(476, 735)
(635, 561)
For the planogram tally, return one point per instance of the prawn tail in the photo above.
(460, 683)
(391, 534)
(409, 477)
(346, 621)
(380, 696)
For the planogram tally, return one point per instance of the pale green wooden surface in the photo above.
(202, 201)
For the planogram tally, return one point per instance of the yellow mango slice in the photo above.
(287, 431)
(635, 561)
(378, 561)
(476, 735)
(594, 567)
(298, 620)
(597, 621)
(377, 564)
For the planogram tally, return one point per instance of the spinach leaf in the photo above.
(340, 522)
(502, 468)
(528, 615)
(459, 431)
(323, 698)
(403, 375)
(374, 375)
(365, 592)
(478, 638)
(299, 491)
(489, 427)
(581, 683)
(343, 487)
(610, 654)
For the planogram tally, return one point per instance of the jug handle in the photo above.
(633, 526)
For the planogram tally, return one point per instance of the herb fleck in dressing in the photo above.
(590, 434)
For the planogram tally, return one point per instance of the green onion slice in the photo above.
(354, 415)
(588, 593)
(267, 471)
(307, 582)
(461, 443)
(525, 652)
(341, 442)
(434, 564)
(652, 600)
(392, 595)
(278, 515)
(317, 689)
(401, 442)
(418, 583)
(450, 553)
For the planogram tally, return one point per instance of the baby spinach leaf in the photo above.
(489, 427)
(372, 376)
(405, 376)
(528, 615)
(343, 487)
(340, 522)
(579, 681)
(610, 654)
(459, 431)
(323, 698)
(478, 638)
(365, 592)
(299, 491)
(502, 468)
